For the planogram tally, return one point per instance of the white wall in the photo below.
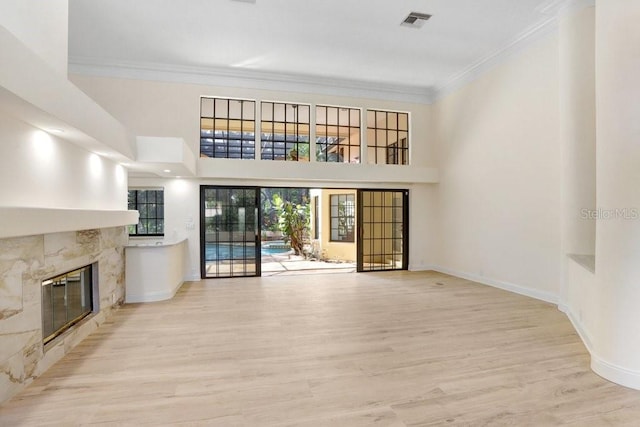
(182, 200)
(38, 169)
(616, 334)
(42, 26)
(499, 162)
(578, 294)
(577, 85)
(172, 110)
(150, 108)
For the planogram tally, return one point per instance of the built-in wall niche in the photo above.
(68, 298)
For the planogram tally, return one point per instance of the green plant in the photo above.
(293, 220)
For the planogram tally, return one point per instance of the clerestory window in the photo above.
(284, 131)
(387, 137)
(337, 134)
(227, 128)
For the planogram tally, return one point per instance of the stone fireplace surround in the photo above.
(24, 263)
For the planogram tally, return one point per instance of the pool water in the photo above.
(230, 251)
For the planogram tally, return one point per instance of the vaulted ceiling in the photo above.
(347, 40)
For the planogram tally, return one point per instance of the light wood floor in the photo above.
(389, 349)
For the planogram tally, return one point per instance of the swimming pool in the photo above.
(218, 251)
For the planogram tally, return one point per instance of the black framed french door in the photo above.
(229, 231)
(383, 230)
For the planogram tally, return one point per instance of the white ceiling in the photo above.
(354, 40)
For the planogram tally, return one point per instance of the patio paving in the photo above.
(290, 264)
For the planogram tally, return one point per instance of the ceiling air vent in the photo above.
(415, 20)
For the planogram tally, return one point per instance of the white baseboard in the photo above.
(584, 335)
(614, 373)
(420, 267)
(607, 370)
(511, 287)
(153, 296)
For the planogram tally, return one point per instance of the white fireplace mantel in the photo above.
(29, 221)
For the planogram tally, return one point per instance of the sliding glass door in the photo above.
(383, 218)
(229, 231)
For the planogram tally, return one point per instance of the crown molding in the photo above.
(238, 77)
(551, 10)
(484, 65)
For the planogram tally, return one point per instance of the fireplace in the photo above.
(55, 290)
(67, 299)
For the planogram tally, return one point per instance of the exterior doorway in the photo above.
(229, 231)
(383, 242)
(255, 231)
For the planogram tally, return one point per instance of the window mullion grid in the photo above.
(338, 142)
(215, 116)
(348, 137)
(228, 138)
(341, 145)
(241, 141)
(325, 136)
(386, 139)
(273, 131)
(313, 110)
(257, 130)
(297, 131)
(247, 141)
(375, 137)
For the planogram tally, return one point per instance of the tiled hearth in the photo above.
(24, 263)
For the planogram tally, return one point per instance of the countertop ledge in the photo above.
(153, 243)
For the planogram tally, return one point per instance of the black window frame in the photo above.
(224, 140)
(335, 147)
(141, 202)
(342, 220)
(285, 145)
(388, 138)
(316, 217)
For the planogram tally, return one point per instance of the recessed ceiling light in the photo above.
(415, 20)
(54, 130)
(167, 171)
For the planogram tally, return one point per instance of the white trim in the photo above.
(420, 267)
(607, 370)
(152, 296)
(614, 373)
(238, 77)
(577, 325)
(511, 287)
(256, 79)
